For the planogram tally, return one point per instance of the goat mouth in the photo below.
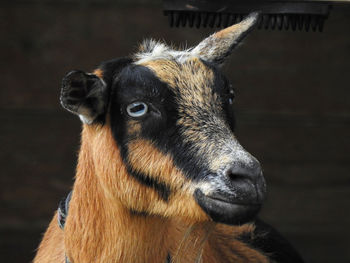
(227, 211)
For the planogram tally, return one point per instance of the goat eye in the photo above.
(137, 109)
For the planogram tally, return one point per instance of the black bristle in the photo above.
(279, 22)
(225, 20)
(293, 22)
(259, 23)
(314, 20)
(198, 19)
(286, 22)
(273, 22)
(321, 24)
(176, 19)
(170, 15)
(233, 19)
(218, 20)
(205, 17)
(266, 21)
(307, 21)
(211, 19)
(183, 19)
(300, 22)
(191, 18)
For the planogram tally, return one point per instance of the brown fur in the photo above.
(52, 248)
(134, 127)
(99, 73)
(101, 227)
(160, 166)
(226, 249)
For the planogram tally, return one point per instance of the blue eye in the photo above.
(137, 109)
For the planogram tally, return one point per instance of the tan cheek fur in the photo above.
(146, 158)
(112, 173)
(133, 127)
(118, 184)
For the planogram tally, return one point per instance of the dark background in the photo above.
(293, 111)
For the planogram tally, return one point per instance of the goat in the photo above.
(160, 175)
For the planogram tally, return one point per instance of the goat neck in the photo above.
(100, 227)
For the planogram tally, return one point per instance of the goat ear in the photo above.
(84, 94)
(218, 46)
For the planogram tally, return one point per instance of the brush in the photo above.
(282, 15)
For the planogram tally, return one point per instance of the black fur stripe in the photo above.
(269, 241)
(161, 188)
(138, 213)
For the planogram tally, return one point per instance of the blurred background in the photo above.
(293, 114)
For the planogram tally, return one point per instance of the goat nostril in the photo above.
(242, 173)
(235, 175)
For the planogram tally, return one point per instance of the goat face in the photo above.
(170, 115)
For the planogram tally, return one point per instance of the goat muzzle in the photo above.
(237, 194)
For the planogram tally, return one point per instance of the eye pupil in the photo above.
(137, 109)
